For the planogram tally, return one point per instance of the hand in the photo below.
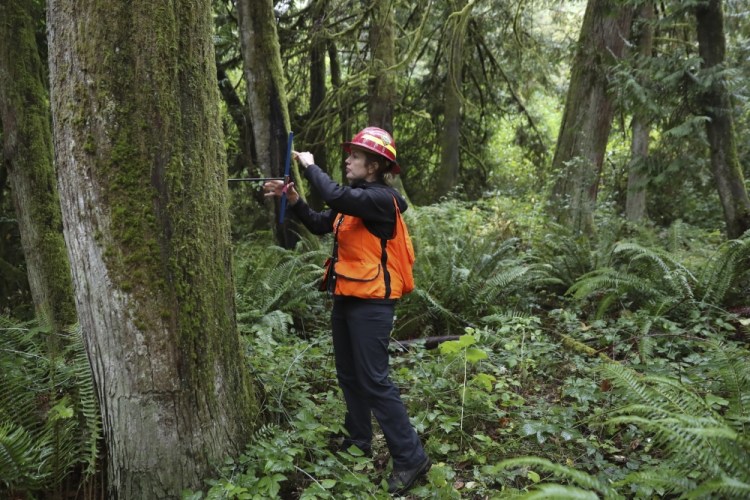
(304, 158)
(276, 188)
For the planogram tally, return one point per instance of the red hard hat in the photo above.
(379, 142)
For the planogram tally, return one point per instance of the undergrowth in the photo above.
(567, 367)
(568, 374)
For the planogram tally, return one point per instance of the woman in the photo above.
(370, 268)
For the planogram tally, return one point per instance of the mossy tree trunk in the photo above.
(382, 81)
(27, 150)
(450, 135)
(635, 202)
(717, 106)
(142, 182)
(588, 113)
(383, 89)
(237, 109)
(266, 95)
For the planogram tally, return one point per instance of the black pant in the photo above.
(361, 329)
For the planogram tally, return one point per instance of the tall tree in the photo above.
(229, 59)
(266, 93)
(382, 82)
(142, 182)
(635, 202)
(587, 118)
(382, 95)
(450, 137)
(716, 103)
(315, 136)
(27, 151)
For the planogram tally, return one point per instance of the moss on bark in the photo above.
(150, 166)
(28, 150)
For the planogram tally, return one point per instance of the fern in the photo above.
(652, 278)
(698, 440)
(559, 491)
(269, 278)
(20, 456)
(50, 416)
(563, 258)
(660, 478)
(724, 487)
(462, 272)
(727, 267)
(581, 478)
(638, 277)
(729, 364)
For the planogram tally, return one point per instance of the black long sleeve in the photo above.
(370, 201)
(316, 222)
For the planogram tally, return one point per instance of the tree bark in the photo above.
(315, 137)
(450, 143)
(27, 150)
(142, 182)
(717, 106)
(344, 107)
(382, 83)
(383, 90)
(635, 202)
(587, 118)
(266, 95)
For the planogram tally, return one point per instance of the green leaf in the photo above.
(61, 411)
(328, 483)
(716, 400)
(474, 354)
(485, 381)
(533, 476)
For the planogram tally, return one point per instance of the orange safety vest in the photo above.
(369, 267)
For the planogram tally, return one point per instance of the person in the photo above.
(369, 269)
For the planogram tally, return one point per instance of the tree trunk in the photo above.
(383, 92)
(27, 149)
(238, 111)
(266, 95)
(344, 107)
(142, 182)
(587, 118)
(382, 98)
(635, 202)
(315, 137)
(450, 143)
(725, 164)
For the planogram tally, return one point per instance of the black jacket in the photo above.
(370, 201)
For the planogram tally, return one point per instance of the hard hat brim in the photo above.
(395, 167)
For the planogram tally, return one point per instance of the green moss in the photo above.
(31, 166)
(157, 167)
(89, 146)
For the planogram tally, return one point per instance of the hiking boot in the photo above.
(401, 480)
